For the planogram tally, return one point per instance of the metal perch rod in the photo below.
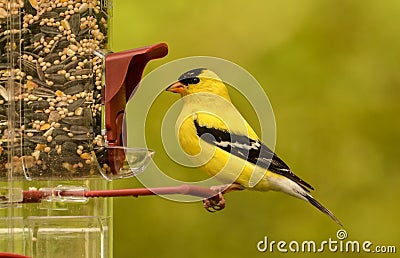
(34, 196)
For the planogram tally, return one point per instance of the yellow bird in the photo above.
(220, 142)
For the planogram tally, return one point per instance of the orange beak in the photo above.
(177, 87)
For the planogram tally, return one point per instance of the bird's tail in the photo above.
(320, 207)
(286, 185)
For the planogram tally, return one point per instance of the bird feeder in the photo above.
(62, 100)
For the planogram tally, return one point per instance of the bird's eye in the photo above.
(190, 80)
(195, 80)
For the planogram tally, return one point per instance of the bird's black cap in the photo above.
(191, 74)
(191, 77)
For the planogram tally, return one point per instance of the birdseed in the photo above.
(49, 76)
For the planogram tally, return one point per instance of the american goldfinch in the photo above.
(220, 141)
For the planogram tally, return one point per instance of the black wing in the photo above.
(251, 150)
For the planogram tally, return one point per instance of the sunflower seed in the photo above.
(71, 65)
(55, 68)
(50, 30)
(61, 138)
(74, 23)
(50, 15)
(63, 43)
(39, 116)
(38, 105)
(58, 87)
(60, 9)
(69, 146)
(79, 129)
(39, 139)
(40, 72)
(73, 83)
(76, 104)
(51, 57)
(56, 78)
(82, 72)
(74, 89)
(29, 67)
(39, 82)
(75, 120)
(43, 92)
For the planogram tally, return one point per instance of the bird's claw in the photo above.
(217, 202)
(214, 203)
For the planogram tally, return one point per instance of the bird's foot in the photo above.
(214, 203)
(217, 202)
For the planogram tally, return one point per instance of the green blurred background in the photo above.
(331, 69)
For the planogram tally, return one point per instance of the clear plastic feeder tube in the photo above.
(50, 126)
(61, 121)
